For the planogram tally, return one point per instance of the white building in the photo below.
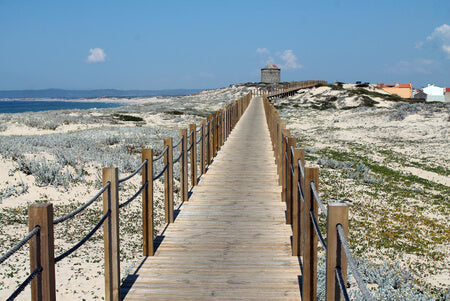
(434, 93)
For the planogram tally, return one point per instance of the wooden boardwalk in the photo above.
(230, 241)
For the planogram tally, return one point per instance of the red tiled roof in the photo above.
(404, 85)
(447, 89)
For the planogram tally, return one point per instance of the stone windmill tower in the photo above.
(270, 74)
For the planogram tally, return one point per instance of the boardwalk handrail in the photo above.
(213, 132)
(286, 89)
(300, 192)
(34, 232)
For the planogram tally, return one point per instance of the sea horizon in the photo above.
(44, 104)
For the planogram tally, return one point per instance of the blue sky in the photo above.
(207, 44)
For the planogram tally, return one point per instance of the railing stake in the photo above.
(42, 252)
(183, 167)
(203, 148)
(111, 234)
(310, 238)
(193, 142)
(147, 203)
(168, 181)
(337, 214)
(291, 143)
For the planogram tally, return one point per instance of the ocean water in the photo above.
(19, 106)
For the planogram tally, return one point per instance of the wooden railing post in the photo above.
(203, 148)
(111, 234)
(291, 143)
(309, 281)
(208, 140)
(285, 133)
(299, 154)
(183, 166)
(147, 203)
(193, 142)
(42, 252)
(168, 180)
(337, 214)
(281, 127)
(214, 136)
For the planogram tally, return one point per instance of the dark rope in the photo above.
(178, 143)
(341, 284)
(134, 172)
(190, 147)
(134, 196)
(79, 209)
(20, 244)
(316, 196)
(25, 283)
(316, 227)
(161, 173)
(352, 264)
(81, 242)
(162, 154)
(199, 139)
(300, 167)
(179, 157)
(299, 187)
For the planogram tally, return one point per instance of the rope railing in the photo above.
(212, 134)
(352, 264)
(190, 146)
(20, 244)
(134, 196)
(81, 208)
(162, 154)
(25, 283)
(134, 172)
(317, 229)
(84, 239)
(178, 143)
(12, 251)
(161, 173)
(317, 198)
(178, 158)
(300, 191)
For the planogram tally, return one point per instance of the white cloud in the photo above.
(441, 33)
(287, 57)
(419, 65)
(290, 60)
(441, 36)
(97, 55)
(446, 49)
(263, 51)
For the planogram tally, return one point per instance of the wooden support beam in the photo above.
(309, 282)
(193, 142)
(147, 203)
(42, 252)
(168, 181)
(111, 234)
(337, 214)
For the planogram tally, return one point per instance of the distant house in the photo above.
(447, 94)
(419, 94)
(270, 74)
(402, 90)
(434, 93)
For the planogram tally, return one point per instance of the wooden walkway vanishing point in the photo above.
(230, 241)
